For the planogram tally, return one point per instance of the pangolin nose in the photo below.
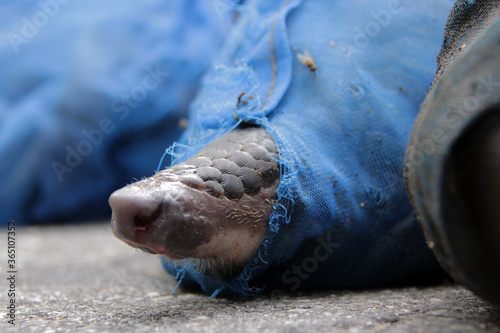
(133, 214)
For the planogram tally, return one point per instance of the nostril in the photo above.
(142, 220)
(133, 210)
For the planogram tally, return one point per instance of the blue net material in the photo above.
(338, 86)
(92, 93)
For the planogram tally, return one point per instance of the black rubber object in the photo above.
(452, 164)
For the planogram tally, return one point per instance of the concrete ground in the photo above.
(80, 278)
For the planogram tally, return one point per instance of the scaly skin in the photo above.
(214, 207)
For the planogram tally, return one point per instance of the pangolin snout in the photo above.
(153, 220)
(215, 205)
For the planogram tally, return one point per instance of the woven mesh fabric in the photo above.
(342, 219)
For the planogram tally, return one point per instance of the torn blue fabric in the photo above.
(90, 94)
(338, 86)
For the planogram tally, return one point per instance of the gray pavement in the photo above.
(80, 278)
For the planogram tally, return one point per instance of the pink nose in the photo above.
(134, 213)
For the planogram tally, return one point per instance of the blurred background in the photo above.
(92, 93)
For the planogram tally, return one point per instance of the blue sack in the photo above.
(91, 94)
(338, 86)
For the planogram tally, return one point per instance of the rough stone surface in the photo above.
(80, 278)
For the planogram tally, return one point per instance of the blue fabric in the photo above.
(91, 94)
(342, 219)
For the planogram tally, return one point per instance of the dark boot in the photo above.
(453, 159)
